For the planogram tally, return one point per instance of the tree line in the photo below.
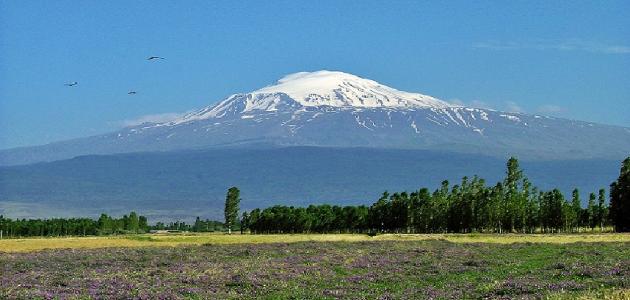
(511, 205)
(132, 223)
(104, 225)
(199, 226)
(47, 227)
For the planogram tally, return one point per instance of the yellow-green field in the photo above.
(169, 240)
(327, 266)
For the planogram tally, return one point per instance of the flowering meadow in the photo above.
(421, 269)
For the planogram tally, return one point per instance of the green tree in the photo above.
(532, 211)
(602, 210)
(232, 203)
(254, 221)
(495, 206)
(133, 222)
(423, 211)
(244, 222)
(379, 212)
(105, 224)
(620, 199)
(552, 211)
(592, 211)
(441, 206)
(513, 202)
(143, 224)
(198, 226)
(576, 209)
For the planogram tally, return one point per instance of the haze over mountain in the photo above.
(336, 109)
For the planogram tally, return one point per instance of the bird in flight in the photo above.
(132, 93)
(71, 83)
(154, 57)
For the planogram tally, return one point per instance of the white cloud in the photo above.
(456, 102)
(558, 45)
(480, 104)
(508, 106)
(153, 118)
(550, 109)
(473, 103)
(511, 106)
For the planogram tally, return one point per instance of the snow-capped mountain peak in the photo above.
(339, 89)
(335, 109)
(316, 89)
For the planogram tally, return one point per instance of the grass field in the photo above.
(214, 266)
(148, 240)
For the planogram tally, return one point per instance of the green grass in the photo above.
(341, 267)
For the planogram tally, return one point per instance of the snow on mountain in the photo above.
(317, 89)
(336, 109)
(338, 89)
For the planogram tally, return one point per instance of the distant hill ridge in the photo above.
(181, 185)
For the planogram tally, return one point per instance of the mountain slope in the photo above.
(336, 109)
(185, 184)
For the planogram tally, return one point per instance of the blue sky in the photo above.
(562, 58)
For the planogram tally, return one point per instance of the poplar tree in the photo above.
(602, 213)
(511, 208)
(592, 211)
(576, 208)
(105, 224)
(244, 222)
(620, 199)
(232, 202)
(143, 223)
(133, 222)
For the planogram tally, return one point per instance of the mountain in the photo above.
(336, 109)
(180, 185)
(310, 138)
